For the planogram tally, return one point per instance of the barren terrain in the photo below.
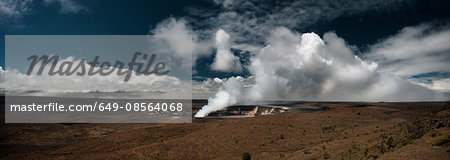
(344, 131)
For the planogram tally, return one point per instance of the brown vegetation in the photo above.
(345, 131)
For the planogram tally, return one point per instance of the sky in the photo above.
(309, 50)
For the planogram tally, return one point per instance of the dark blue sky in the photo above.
(112, 17)
(119, 17)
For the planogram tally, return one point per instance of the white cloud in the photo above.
(12, 9)
(225, 60)
(437, 84)
(151, 86)
(411, 42)
(441, 84)
(305, 66)
(67, 6)
(175, 37)
(249, 22)
(413, 51)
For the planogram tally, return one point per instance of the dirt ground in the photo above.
(344, 131)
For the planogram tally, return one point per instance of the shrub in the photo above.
(366, 152)
(416, 130)
(330, 128)
(246, 156)
(390, 143)
(307, 151)
(326, 155)
(442, 141)
(433, 134)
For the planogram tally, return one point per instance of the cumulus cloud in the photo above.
(289, 63)
(303, 66)
(173, 36)
(225, 60)
(415, 50)
(307, 67)
(151, 86)
(208, 87)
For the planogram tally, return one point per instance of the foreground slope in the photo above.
(344, 131)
